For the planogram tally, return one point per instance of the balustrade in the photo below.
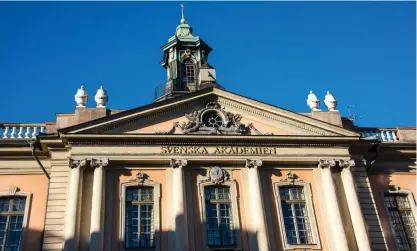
(385, 135)
(21, 131)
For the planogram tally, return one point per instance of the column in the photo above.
(258, 215)
(178, 201)
(97, 212)
(355, 211)
(71, 220)
(333, 212)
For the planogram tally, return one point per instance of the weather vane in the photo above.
(182, 14)
(352, 116)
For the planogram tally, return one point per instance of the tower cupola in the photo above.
(185, 59)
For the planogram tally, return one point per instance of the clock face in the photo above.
(216, 173)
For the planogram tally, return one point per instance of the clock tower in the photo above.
(185, 58)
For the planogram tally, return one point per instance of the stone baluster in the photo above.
(383, 136)
(19, 135)
(6, 132)
(96, 227)
(355, 211)
(34, 132)
(332, 205)
(258, 214)
(27, 132)
(179, 203)
(13, 133)
(394, 137)
(71, 220)
(388, 135)
(42, 129)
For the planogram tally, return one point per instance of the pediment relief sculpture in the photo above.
(214, 119)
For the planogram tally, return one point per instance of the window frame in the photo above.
(410, 197)
(203, 182)
(188, 62)
(156, 212)
(310, 210)
(12, 193)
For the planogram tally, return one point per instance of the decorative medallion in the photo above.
(214, 119)
(141, 178)
(217, 175)
(291, 177)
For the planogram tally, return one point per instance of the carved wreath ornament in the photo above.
(213, 119)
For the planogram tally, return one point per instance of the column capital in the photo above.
(74, 163)
(327, 163)
(253, 163)
(178, 163)
(346, 164)
(97, 163)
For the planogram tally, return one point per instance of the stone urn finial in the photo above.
(81, 97)
(313, 102)
(330, 102)
(101, 97)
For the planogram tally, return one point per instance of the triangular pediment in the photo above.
(209, 111)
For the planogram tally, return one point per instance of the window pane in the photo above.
(132, 235)
(139, 217)
(14, 232)
(4, 205)
(226, 224)
(146, 226)
(402, 221)
(3, 222)
(19, 204)
(219, 221)
(294, 212)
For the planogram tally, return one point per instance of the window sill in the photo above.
(301, 246)
(223, 249)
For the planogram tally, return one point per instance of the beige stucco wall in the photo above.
(379, 183)
(37, 185)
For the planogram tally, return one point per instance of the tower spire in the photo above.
(182, 15)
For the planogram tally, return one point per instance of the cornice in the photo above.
(180, 139)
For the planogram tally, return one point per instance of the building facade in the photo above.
(203, 168)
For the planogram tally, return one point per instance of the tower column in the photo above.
(258, 214)
(333, 210)
(97, 212)
(179, 203)
(355, 211)
(71, 219)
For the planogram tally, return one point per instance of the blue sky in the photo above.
(275, 52)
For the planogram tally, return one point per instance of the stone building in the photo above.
(203, 168)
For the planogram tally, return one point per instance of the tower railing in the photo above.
(170, 87)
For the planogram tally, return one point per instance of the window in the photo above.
(189, 70)
(219, 210)
(139, 217)
(212, 119)
(140, 214)
(294, 210)
(296, 213)
(13, 220)
(219, 224)
(402, 220)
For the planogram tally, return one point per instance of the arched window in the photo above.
(189, 70)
